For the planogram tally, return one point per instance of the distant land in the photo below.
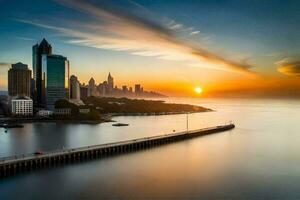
(125, 106)
(101, 109)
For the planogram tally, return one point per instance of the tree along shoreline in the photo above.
(103, 109)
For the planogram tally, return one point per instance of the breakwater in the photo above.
(27, 162)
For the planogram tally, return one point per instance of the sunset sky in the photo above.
(228, 48)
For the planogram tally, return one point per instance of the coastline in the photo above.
(105, 118)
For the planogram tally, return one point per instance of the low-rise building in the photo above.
(63, 111)
(84, 110)
(21, 106)
(44, 113)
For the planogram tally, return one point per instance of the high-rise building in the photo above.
(92, 87)
(137, 89)
(55, 79)
(74, 88)
(101, 89)
(19, 80)
(124, 89)
(110, 84)
(84, 90)
(105, 87)
(44, 48)
(32, 90)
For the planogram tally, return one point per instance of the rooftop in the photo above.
(21, 98)
(20, 66)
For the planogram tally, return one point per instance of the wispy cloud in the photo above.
(24, 38)
(194, 32)
(114, 29)
(4, 65)
(289, 67)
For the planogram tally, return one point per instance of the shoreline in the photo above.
(106, 118)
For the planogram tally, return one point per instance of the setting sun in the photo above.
(198, 90)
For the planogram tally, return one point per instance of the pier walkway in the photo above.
(26, 162)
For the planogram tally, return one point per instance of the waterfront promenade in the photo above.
(19, 163)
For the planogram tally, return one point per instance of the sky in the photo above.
(229, 48)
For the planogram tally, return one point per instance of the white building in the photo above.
(21, 106)
(44, 113)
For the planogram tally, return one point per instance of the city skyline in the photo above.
(255, 55)
(149, 99)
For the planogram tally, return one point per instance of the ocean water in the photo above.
(259, 159)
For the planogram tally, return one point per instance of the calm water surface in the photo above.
(259, 159)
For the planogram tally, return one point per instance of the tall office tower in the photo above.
(19, 80)
(32, 89)
(74, 88)
(137, 89)
(92, 87)
(55, 79)
(84, 90)
(101, 89)
(105, 88)
(44, 48)
(124, 89)
(110, 82)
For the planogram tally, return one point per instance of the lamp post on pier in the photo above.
(187, 122)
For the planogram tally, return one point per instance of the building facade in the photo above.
(137, 89)
(55, 79)
(22, 106)
(84, 90)
(38, 50)
(74, 88)
(44, 113)
(92, 88)
(19, 80)
(110, 84)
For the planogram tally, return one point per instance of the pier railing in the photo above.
(99, 146)
(14, 164)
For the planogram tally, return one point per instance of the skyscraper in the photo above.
(101, 89)
(110, 82)
(19, 80)
(84, 90)
(44, 48)
(74, 88)
(137, 89)
(55, 79)
(124, 89)
(92, 87)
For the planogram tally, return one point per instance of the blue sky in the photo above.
(132, 38)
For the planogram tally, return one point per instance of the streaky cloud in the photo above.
(24, 38)
(5, 65)
(115, 29)
(289, 67)
(194, 32)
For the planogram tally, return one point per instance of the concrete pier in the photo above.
(21, 163)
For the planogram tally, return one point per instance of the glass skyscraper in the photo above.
(37, 51)
(55, 79)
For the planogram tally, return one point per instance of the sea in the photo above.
(259, 159)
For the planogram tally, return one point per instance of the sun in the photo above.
(198, 90)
